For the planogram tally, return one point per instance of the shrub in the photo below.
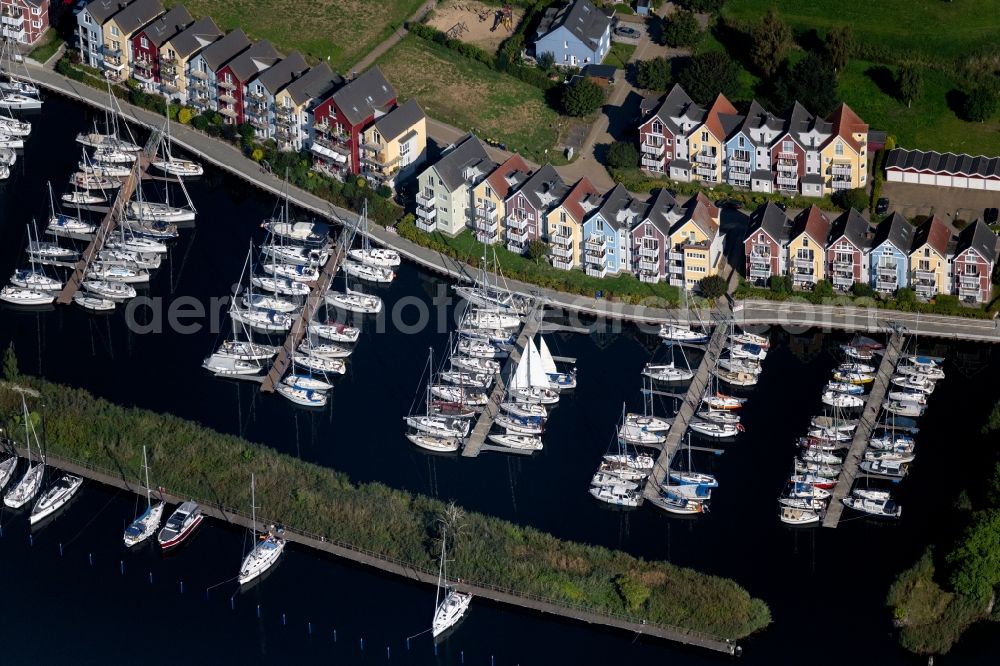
(823, 289)
(184, 115)
(710, 74)
(976, 560)
(780, 284)
(712, 286)
(681, 29)
(257, 154)
(848, 199)
(862, 290)
(632, 591)
(199, 122)
(981, 103)
(582, 98)
(547, 60)
(654, 74)
(623, 155)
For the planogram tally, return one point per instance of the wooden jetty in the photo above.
(474, 444)
(863, 433)
(301, 325)
(111, 219)
(692, 399)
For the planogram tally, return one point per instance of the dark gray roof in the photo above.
(317, 82)
(730, 124)
(580, 17)
(196, 37)
(853, 226)
(772, 220)
(895, 229)
(659, 209)
(676, 104)
(620, 210)
(757, 117)
(813, 179)
(277, 77)
(980, 238)
(943, 163)
(102, 10)
(365, 95)
(469, 153)
(399, 120)
(600, 71)
(168, 25)
(138, 14)
(762, 174)
(253, 61)
(545, 189)
(219, 53)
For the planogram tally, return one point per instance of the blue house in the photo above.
(889, 269)
(607, 233)
(577, 34)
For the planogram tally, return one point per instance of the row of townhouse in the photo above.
(893, 255)
(799, 153)
(601, 233)
(24, 21)
(353, 128)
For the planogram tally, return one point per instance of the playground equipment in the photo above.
(456, 31)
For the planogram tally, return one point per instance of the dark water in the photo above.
(825, 587)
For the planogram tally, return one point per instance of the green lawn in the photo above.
(341, 32)
(470, 95)
(935, 29)
(619, 54)
(46, 49)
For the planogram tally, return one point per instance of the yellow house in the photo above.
(929, 259)
(696, 242)
(845, 155)
(118, 32)
(807, 247)
(394, 145)
(565, 224)
(489, 195)
(176, 52)
(292, 105)
(707, 142)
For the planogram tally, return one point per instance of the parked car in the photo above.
(882, 206)
(627, 31)
(990, 215)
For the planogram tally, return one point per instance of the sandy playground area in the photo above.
(475, 22)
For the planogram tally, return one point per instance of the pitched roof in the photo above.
(219, 53)
(399, 120)
(317, 82)
(509, 175)
(365, 95)
(845, 123)
(137, 14)
(943, 163)
(676, 105)
(253, 61)
(168, 25)
(713, 121)
(619, 209)
(770, 219)
(850, 225)
(277, 77)
(102, 10)
(980, 238)
(580, 17)
(196, 37)
(935, 233)
(468, 153)
(895, 229)
(575, 201)
(544, 189)
(814, 223)
(662, 211)
(757, 117)
(703, 213)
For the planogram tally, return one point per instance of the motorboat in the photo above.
(324, 350)
(55, 497)
(296, 272)
(716, 430)
(518, 425)
(280, 285)
(857, 353)
(375, 256)
(434, 443)
(615, 495)
(802, 503)
(639, 436)
(513, 441)
(720, 401)
(369, 272)
(932, 373)
(667, 372)
(892, 469)
(268, 302)
(883, 508)
(844, 387)
(872, 494)
(795, 516)
(842, 400)
(807, 491)
(25, 297)
(93, 303)
(354, 301)
(335, 332)
(111, 290)
(180, 526)
(677, 333)
(228, 366)
(471, 364)
(303, 397)
(267, 321)
(648, 423)
(319, 364)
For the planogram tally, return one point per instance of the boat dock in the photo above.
(477, 438)
(111, 219)
(284, 358)
(867, 424)
(702, 377)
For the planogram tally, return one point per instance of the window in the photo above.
(86, 18)
(562, 216)
(805, 242)
(786, 147)
(704, 136)
(741, 142)
(36, 23)
(144, 42)
(114, 31)
(760, 238)
(404, 149)
(376, 137)
(838, 149)
(572, 60)
(565, 45)
(600, 226)
(657, 127)
(36, 11)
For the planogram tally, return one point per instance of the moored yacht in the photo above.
(180, 526)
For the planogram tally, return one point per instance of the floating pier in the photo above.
(863, 433)
(477, 438)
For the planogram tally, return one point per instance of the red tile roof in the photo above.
(935, 233)
(712, 121)
(580, 191)
(498, 179)
(814, 223)
(846, 123)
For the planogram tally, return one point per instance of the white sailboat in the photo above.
(111, 140)
(429, 424)
(557, 380)
(267, 548)
(55, 497)
(452, 607)
(369, 272)
(26, 489)
(34, 278)
(530, 383)
(493, 293)
(25, 297)
(366, 254)
(171, 165)
(148, 522)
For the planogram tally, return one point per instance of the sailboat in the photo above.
(483, 318)
(303, 397)
(144, 212)
(438, 426)
(678, 333)
(171, 165)
(34, 278)
(266, 550)
(25, 297)
(530, 383)
(561, 381)
(368, 255)
(690, 477)
(669, 372)
(369, 272)
(13, 126)
(63, 225)
(111, 140)
(55, 498)
(31, 482)
(7, 468)
(624, 457)
(493, 294)
(452, 607)
(148, 522)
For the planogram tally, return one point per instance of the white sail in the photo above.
(548, 363)
(520, 380)
(536, 372)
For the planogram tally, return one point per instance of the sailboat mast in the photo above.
(145, 466)
(442, 569)
(253, 505)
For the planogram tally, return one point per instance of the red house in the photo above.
(765, 244)
(147, 42)
(651, 237)
(24, 21)
(339, 120)
(661, 125)
(975, 256)
(846, 248)
(528, 207)
(788, 156)
(234, 76)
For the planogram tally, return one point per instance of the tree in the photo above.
(909, 81)
(992, 425)
(10, 371)
(623, 155)
(654, 74)
(862, 290)
(547, 60)
(712, 286)
(838, 46)
(703, 6)
(856, 198)
(769, 43)
(823, 289)
(710, 74)
(582, 98)
(780, 284)
(634, 592)
(906, 298)
(537, 250)
(981, 103)
(681, 29)
(976, 560)
(812, 82)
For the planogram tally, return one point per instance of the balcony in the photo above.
(15, 34)
(517, 247)
(195, 84)
(843, 281)
(887, 270)
(166, 58)
(518, 223)
(883, 283)
(425, 200)
(676, 282)
(706, 172)
(562, 263)
(843, 170)
(227, 85)
(788, 157)
(596, 271)
(486, 225)
(331, 147)
(707, 158)
(674, 255)
(969, 281)
(675, 268)
(804, 262)
(227, 98)
(562, 252)
(561, 240)
(654, 150)
(487, 237)
(786, 183)
(226, 111)
(741, 160)
(259, 123)
(760, 273)
(925, 276)
(520, 236)
(925, 290)
(650, 277)
(837, 184)
(649, 252)
(739, 179)
(596, 244)
(969, 292)
(254, 95)
(198, 75)
(649, 265)
(198, 101)
(143, 75)
(13, 18)
(114, 63)
(803, 278)
(426, 224)
(649, 162)
(426, 213)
